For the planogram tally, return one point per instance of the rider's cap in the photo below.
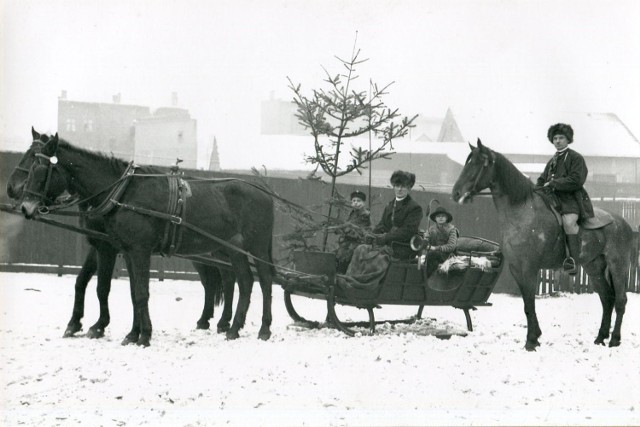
(560, 129)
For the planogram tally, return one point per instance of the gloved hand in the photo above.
(373, 239)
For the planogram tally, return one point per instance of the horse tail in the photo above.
(213, 281)
(270, 255)
(218, 291)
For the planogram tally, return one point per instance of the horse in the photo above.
(101, 258)
(533, 239)
(234, 218)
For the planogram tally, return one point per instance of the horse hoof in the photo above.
(231, 335)
(69, 333)
(130, 339)
(264, 335)
(531, 346)
(71, 330)
(95, 333)
(144, 342)
(614, 343)
(222, 328)
(599, 341)
(203, 325)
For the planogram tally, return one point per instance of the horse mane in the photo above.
(116, 164)
(513, 183)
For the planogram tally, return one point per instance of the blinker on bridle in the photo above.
(27, 170)
(52, 162)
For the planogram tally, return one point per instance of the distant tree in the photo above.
(340, 112)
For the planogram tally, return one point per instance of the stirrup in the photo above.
(569, 266)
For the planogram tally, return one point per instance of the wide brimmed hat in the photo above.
(403, 179)
(439, 211)
(359, 194)
(560, 129)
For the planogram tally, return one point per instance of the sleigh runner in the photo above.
(404, 283)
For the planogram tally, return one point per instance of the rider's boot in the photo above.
(569, 265)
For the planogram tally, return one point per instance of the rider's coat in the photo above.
(566, 173)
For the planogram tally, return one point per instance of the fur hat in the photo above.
(439, 211)
(359, 194)
(402, 178)
(560, 129)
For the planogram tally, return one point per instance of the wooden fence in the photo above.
(30, 246)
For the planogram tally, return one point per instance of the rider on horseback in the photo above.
(564, 177)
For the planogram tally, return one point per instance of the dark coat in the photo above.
(406, 214)
(352, 237)
(566, 175)
(362, 220)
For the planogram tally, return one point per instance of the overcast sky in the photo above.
(224, 57)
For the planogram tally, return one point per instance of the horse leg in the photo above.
(245, 284)
(87, 271)
(208, 277)
(596, 271)
(141, 264)
(134, 334)
(525, 277)
(106, 261)
(228, 285)
(266, 280)
(617, 280)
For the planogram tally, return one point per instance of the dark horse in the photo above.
(231, 217)
(101, 258)
(533, 239)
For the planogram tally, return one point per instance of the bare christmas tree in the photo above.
(339, 113)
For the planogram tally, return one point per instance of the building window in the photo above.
(71, 125)
(88, 126)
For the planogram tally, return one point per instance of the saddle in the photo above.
(599, 220)
(600, 217)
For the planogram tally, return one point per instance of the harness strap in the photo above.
(116, 193)
(185, 192)
(178, 193)
(178, 220)
(172, 202)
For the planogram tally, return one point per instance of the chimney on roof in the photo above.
(63, 95)
(116, 98)
(174, 99)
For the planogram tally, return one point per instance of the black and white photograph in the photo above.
(289, 213)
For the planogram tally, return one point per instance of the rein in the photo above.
(488, 160)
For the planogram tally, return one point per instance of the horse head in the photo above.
(19, 175)
(45, 181)
(476, 175)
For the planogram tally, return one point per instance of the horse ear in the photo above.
(479, 143)
(471, 146)
(51, 147)
(34, 134)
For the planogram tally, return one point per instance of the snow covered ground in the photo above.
(400, 376)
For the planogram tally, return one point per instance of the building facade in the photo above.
(130, 132)
(100, 126)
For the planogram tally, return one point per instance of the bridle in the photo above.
(41, 159)
(27, 170)
(489, 160)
